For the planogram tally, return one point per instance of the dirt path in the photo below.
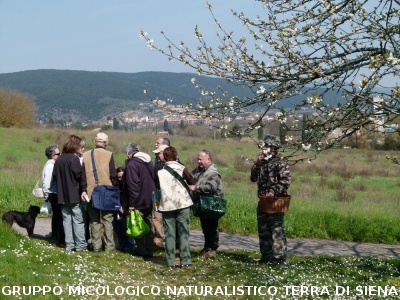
(302, 247)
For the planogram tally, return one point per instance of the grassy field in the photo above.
(344, 194)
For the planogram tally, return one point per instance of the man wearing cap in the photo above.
(107, 175)
(161, 144)
(138, 189)
(272, 175)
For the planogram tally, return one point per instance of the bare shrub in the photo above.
(323, 181)
(305, 180)
(307, 192)
(232, 179)
(382, 171)
(192, 161)
(30, 168)
(359, 186)
(334, 159)
(241, 165)
(325, 170)
(11, 158)
(32, 149)
(365, 172)
(219, 160)
(297, 168)
(343, 195)
(335, 184)
(17, 109)
(37, 139)
(370, 157)
(311, 169)
(344, 172)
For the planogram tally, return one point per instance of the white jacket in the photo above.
(174, 195)
(48, 185)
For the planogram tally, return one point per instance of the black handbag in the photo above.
(104, 197)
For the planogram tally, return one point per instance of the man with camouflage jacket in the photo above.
(272, 175)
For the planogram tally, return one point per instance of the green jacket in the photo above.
(208, 181)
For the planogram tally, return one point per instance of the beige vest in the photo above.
(102, 159)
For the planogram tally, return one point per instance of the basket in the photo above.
(278, 204)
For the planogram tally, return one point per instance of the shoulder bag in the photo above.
(210, 207)
(37, 191)
(104, 197)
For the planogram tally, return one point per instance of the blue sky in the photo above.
(103, 35)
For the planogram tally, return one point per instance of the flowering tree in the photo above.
(308, 49)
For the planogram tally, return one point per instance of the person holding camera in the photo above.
(273, 177)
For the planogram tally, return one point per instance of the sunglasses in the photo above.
(57, 153)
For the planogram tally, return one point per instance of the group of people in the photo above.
(68, 182)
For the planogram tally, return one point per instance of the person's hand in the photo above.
(131, 209)
(192, 187)
(260, 156)
(270, 195)
(84, 197)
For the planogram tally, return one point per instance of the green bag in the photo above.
(209, 207)
(136, 226)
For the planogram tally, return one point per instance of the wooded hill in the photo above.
(87, 96)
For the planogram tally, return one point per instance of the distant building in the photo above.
(378, 115)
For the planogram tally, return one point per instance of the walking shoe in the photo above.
(278, 262)
(204, 251)
(81, 250)
(210, 254)
(186, 265)
(274, 262)
(263, 260)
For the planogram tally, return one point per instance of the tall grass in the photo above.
(344, 194)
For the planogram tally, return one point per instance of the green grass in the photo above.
(31, 262)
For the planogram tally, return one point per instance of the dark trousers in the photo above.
(57, 227)
(87, 224)
(211, 234)
(144, 245)
(125, 243)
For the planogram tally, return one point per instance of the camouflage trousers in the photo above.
(272, 237)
